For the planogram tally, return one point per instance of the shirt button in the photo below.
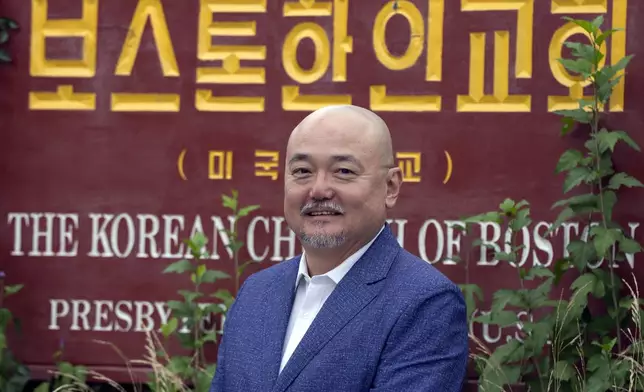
(306, 315)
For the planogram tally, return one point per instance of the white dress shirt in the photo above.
(310, 296)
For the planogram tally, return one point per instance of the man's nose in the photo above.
(321, 188)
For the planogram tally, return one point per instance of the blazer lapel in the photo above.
(279, 302)
(351, 295)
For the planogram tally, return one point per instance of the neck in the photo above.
(322, 260)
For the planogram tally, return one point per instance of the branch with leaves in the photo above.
(567, 344)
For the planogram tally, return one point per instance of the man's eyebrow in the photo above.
(336, 158)
(299, 157)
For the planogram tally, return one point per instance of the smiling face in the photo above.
(339, 179)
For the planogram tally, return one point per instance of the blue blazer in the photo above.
(394, 323)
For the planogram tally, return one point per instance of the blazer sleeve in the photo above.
(217, 384)
(427, 349)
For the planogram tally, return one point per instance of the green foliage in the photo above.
(66, 377)
(195, 306)
(566, 344)
(6, 25)
(13, 374)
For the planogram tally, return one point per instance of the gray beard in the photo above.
(320, 241)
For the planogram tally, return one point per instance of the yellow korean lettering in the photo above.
(308, 8)
(292, 99)
(618, 52)
(575, 83)
(525, 17)
(579, 6)
(436, 21)
(379, 99)
(151, 10)
(500, 100)
(416, 40)
(268, 164)
(231, 70)
(409, 163)
(220, 165)
(84, 28)
(63, 99)
(145, 102)
(342, 43)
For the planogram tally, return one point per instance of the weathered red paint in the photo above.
(100, 161)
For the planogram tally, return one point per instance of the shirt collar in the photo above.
(341, 270)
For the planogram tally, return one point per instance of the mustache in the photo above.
(321, 206)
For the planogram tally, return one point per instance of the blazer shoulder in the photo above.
(420, 276)
(269, 274)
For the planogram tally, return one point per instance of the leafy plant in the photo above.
(6, 25)
(589, 340)
(13, 374)
(66, 377)
(195, 369)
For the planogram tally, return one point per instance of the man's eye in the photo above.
(300, 171)
(346, 172)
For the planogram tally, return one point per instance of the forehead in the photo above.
(332, 136)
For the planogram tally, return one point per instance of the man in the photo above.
(354, 312)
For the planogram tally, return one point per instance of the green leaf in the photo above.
(561, 266)
(168, 328)
(471, 292)
(521, 220)
(190, 296)
(581, 50)
(598, 22)
(563, 216)
(507, 206)
(569, 160)
(504, 297)
(13, 289)
(229, 202)
(579, 115)
(589, 27)
(588, 199)
(604, 239)
(623, 136)
(567, 126)
(610, 199)
(211, 276)
(584, 284)
(579, 66)
(201, 269)
(180, 309)
(539, 272)
(621, 64)
(247, 210)
(582, 253)
(607, 140)
(629, 246)
(603, 36)
(43, 387)
(563, 370)
(4, 56)
(509, 352)
(179, 267)
(575, 177)
(623, 179)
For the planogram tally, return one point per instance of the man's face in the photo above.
(336, 188)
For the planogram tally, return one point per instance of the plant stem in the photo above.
(594, 131)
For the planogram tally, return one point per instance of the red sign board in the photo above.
(124, 121)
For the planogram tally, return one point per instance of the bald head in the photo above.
(348, 119)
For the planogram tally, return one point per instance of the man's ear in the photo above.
(394, 182)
